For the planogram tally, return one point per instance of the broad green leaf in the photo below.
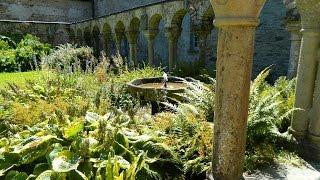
(57, 148)
(34, 148)
(8, 161)
(16, 175)
(40, 168)
(78, 175)
(65, 161)
(73, 129)
(51, 175)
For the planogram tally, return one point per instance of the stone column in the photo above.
(308, 81)
(119, 39)
(151, 35)
(307, 68)
(132, 37)
(107, 41)
(76, 40)
(172, 35)
(294, 29)
(237, 21)
(203, 35)
(101, 44)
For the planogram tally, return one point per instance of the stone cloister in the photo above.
(236, 22)
(110, 33)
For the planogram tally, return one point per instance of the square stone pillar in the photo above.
(119, 38)
(132, 37)
(173, 34)
(307, 68)
(151, 35)
(296, 36)
(236, 21)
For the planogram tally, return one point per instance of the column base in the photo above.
(314, 147)
(308, 146)
(299, 135)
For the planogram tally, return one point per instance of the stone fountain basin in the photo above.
(152, 89)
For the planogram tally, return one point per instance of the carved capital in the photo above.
(237, 12)
(173, 33)
(294, 26)
(310, 13)
(203, 34)
(132, 36)
(151, 34)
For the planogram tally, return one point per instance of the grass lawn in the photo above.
(19, 77)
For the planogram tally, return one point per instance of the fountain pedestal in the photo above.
(153, 90)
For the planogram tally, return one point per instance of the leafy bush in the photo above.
(4, 45)
(69, 58)
(86, 125)
(269, 118)
(24, 56)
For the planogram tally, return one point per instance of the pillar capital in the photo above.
(173, 33)
(151, 34)
(203, 33)
(132, 36)
(293, 26)
(119, 36)
(310, 12)
(237, 13)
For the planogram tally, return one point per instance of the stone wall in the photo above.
(52, 33)
(44, 10)
(272, 41)
(272, 47)
(103, 7)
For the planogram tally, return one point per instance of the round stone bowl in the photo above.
(153, 90)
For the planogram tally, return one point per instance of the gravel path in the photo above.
(310, 171)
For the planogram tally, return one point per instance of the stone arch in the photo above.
(178, 18)
(61, 36)
(155, 21)
(87, 36)
(72, 35)
(120, 37)
(107, 36)
(134, 24)
(96, 40)
(120, 28)
(207, 18)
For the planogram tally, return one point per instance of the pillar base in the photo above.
(299, 135)
(308, 150)
(314, 147)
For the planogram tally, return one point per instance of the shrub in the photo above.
(24, 57)
(4, 45)
(69, 58)
(8, 60)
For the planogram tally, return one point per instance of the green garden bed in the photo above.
(19, 77)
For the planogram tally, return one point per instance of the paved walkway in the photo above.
(310, 171)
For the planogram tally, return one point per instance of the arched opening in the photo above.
(96, 40)
(121, 41)
(155, 21)
(174, 39)
(87, 36)
(178, 18)
(72, 36)
(134, 24)
(154, 32)
(135, 42)
(79, 37)
(108, 43)
(208, 38)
